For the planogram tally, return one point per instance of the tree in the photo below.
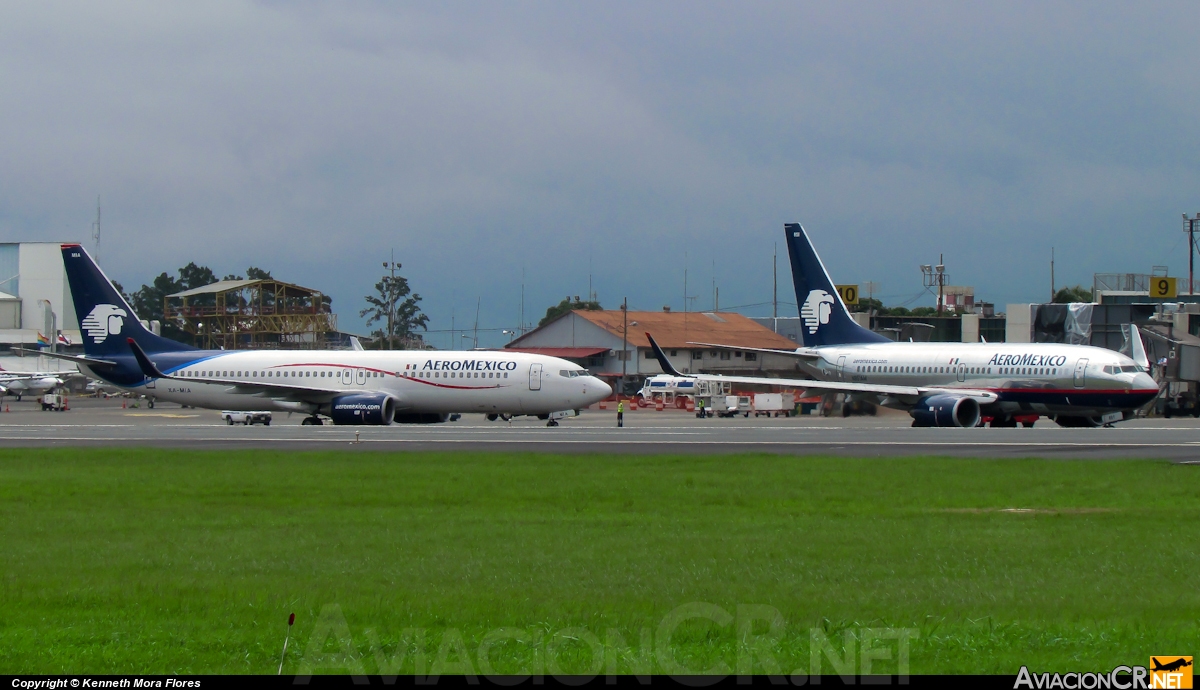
(193, 276)
(867, 304)
(567, 305)
(396, 306)
(1073, 294)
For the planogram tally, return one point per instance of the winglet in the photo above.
(662, 358)
(147, 367)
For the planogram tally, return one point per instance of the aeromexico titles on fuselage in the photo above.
(118, 349)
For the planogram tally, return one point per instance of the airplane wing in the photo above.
(78, 359)
(983, 397)
(273, 391)
(799, 352)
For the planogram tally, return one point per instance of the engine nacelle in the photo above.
(946, 410)
(363, 408)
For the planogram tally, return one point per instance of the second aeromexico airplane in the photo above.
(350, 387)
(951, 384)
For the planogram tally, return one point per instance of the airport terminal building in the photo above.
(34, 294)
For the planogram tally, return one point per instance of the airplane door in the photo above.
(347, 377)
(962, 372)
(360, 377)
(841, 368)
(1081, 373)
(535, 377)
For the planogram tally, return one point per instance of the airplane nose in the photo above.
(1144, 381)
(602, 389)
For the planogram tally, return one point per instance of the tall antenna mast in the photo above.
(96, 229)
(475, 338)
(1052, 274)
(716, 298)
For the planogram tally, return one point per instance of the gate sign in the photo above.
(1162, 287)
(849, 293)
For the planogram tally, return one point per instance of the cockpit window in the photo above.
(572, 374)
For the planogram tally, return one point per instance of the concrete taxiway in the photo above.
(106, 423)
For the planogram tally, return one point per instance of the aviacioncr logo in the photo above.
(816, 310)
(103, 321)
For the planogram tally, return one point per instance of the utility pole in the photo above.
(775, 288)
(624, 343)
(391, 319)
(1190, 227)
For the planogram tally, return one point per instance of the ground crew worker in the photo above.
(620, 413)
(702, 414)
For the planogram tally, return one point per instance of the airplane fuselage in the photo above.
(422, 381)
(1032, 377)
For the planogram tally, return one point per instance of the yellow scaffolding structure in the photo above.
(252, 314)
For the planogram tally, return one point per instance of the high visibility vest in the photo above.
(620, 407)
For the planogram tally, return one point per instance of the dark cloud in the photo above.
(480, 138)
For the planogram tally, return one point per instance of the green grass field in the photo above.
(123, 560)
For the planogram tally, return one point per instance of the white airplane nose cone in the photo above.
(1144, 381)
(603, 390)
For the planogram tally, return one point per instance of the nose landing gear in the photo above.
(312, 421)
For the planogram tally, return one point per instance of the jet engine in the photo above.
(363, 408)
(946, 410)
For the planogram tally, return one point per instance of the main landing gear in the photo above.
(312, 421)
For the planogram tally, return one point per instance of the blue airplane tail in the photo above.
(824, 317)
(105, 318)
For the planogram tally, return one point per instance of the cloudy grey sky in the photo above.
(479, 139)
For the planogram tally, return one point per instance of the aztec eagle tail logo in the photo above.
(103, 321)
(816, 310)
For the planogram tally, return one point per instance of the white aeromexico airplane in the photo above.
(949, 384)
(349, 387)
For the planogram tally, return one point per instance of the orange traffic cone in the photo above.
(122, 404)
(66, 404)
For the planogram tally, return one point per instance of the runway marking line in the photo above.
(347, 439)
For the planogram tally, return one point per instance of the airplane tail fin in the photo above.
(1133, 346)
(826, 321)
(106, 319)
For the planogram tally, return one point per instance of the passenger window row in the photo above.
(319, 373)
(1004, 371)
(455, 374)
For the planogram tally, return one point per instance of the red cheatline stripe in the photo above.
(443, 385)
(1073, 391)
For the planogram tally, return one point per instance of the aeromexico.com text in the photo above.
(468, 365)
(1027, 360)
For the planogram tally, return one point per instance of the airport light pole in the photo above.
(936, 276)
